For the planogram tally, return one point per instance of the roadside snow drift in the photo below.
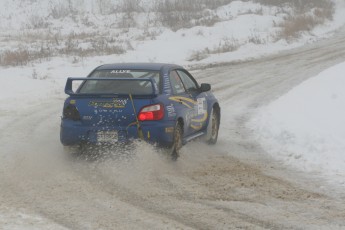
(243, 30)
(306, 127)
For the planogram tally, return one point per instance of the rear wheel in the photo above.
(177, 144)
(212, 128)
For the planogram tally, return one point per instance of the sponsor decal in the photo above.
(171, 110)
(114, 112)
(166, 86)
(169, 129)
(120, 71)
(189, 116)
(115, 103)
(87, 118)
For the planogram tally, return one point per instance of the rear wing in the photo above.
(134, 86)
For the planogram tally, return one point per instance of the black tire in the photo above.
(177, 144)
(212, 135)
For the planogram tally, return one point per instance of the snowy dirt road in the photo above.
(233, 185)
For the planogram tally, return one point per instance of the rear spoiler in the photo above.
(69, 86)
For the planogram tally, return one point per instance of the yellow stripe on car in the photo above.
(184, 100)
(201, 119)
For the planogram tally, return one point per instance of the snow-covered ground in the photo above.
(27, 85)
(306, 127)
(312, 140)
(18, 220)
(243, 30)
(239, 24)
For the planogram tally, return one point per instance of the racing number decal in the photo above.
(200, 117)
(201, 106)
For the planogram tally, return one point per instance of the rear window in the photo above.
(134, 85)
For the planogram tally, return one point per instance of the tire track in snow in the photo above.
(206, 189)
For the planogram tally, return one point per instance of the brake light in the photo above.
(151, 113)
(71, 112)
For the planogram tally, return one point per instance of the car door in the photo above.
(182, 101)
(199, 116)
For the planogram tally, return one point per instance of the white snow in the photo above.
(28, 85)
(250, 28)
(312, 137)
(306, 127)
(18, 219)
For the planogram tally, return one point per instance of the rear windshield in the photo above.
(133, 86)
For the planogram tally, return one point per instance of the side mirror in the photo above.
(205, 87)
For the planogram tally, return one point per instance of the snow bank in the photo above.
(306, 127)
(245, 30)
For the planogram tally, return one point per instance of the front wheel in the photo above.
(177, 144)
(213, 128)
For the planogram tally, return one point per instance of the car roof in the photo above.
(139, 66)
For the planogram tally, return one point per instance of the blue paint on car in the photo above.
(121, 102)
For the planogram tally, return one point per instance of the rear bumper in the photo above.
(75, 132)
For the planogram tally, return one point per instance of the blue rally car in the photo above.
(158, 103)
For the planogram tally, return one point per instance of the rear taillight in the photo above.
(71, 112)
(151, 113)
